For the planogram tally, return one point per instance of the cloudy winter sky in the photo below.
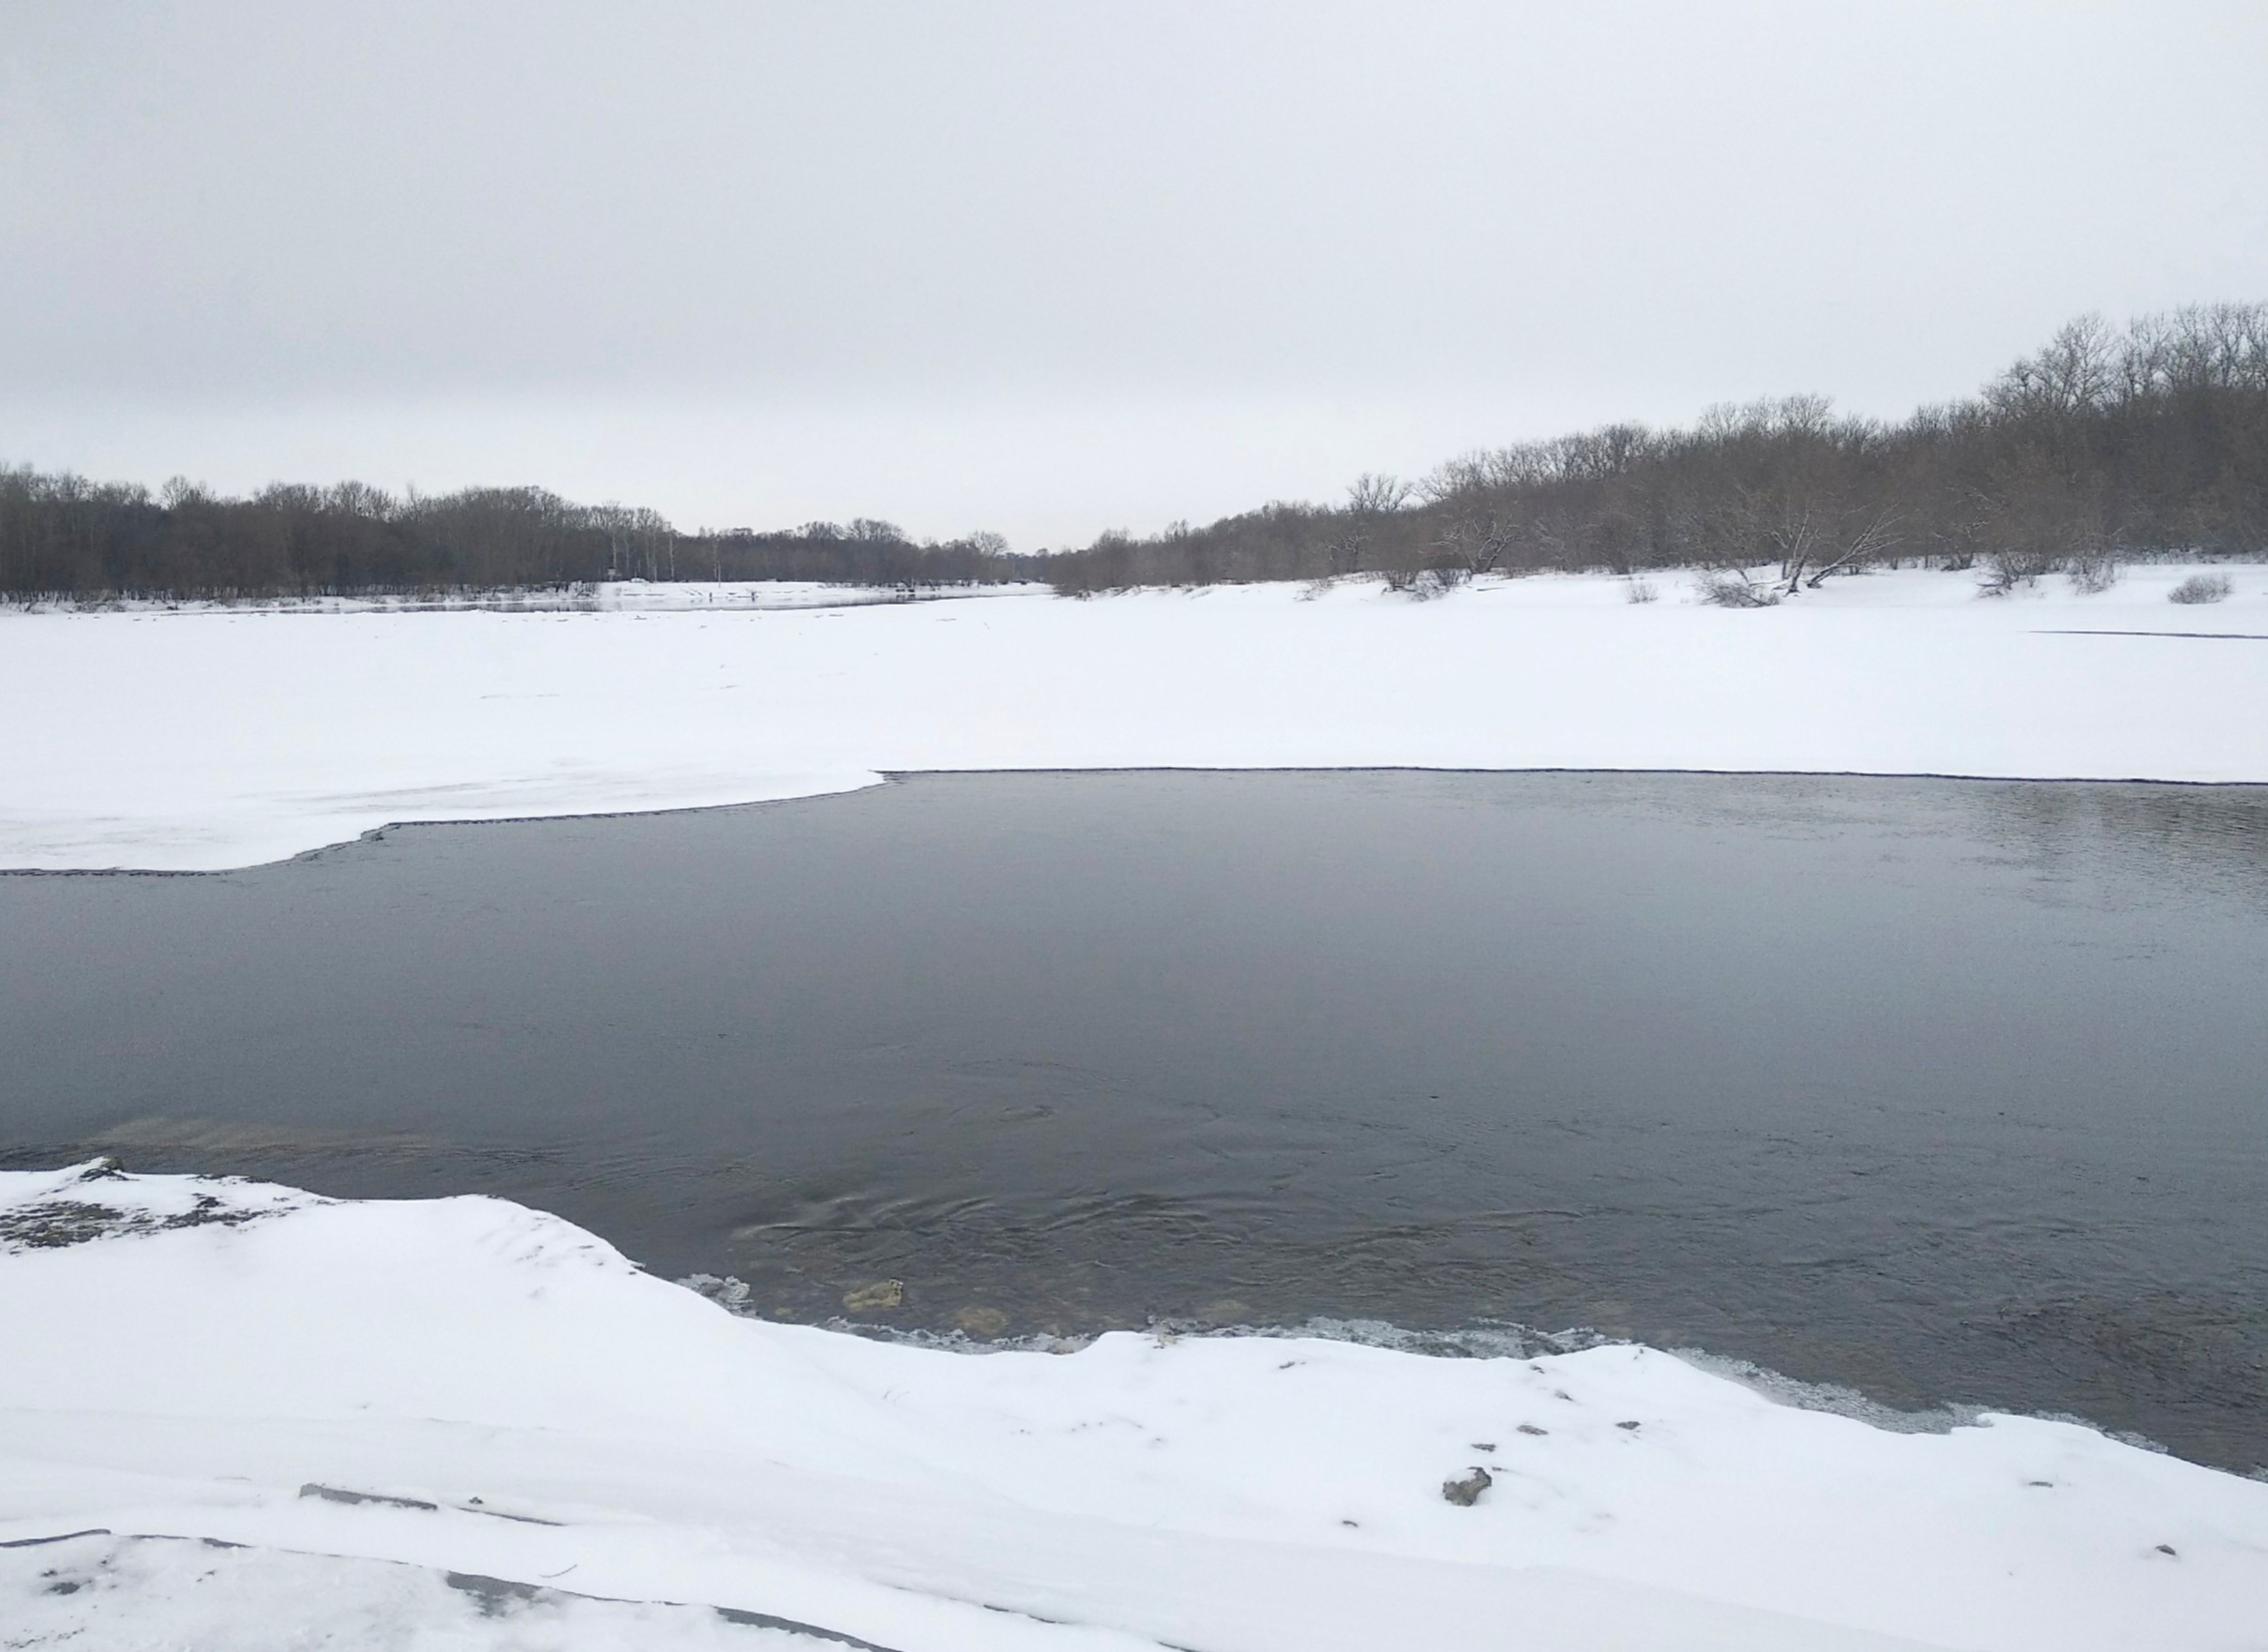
(1052, 267)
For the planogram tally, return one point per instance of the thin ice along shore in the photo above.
(255, 1416)
(199, 740)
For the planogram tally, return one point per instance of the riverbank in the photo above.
(465, 1419)
(206, 740)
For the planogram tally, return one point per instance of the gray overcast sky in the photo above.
(1052, 266)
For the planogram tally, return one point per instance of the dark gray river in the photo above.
(1942, 1090)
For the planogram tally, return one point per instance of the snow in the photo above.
(209, 739)
(610, 597)
(163, 1595)
(239, 1414)
(461, 1423)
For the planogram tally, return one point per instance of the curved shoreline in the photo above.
(895, 777)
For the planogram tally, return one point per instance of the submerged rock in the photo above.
(982, 1323)
(869, 1298)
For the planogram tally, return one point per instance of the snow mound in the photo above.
(367, 1397)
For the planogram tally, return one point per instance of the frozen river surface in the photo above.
(1946, 1090)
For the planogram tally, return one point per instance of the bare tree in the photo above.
(1369, 498)
(1475, 541)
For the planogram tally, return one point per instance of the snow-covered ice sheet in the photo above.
(206, 739)
(461, 1423)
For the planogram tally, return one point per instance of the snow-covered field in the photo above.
(213, 738)
(234, 1415)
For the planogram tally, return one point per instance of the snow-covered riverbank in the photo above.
(208, 740)
(370, 1398)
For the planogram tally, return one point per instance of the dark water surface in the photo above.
(1946, 1090)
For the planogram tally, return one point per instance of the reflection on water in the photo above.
(1947, 1090)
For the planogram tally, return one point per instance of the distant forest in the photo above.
(2109, 443)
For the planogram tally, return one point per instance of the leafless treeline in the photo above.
(63, 535)
(2149, 440)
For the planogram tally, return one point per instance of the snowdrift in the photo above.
(236, 1414)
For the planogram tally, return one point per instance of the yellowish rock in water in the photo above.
(867, 1299)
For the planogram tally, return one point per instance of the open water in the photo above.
(1948, 1091)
